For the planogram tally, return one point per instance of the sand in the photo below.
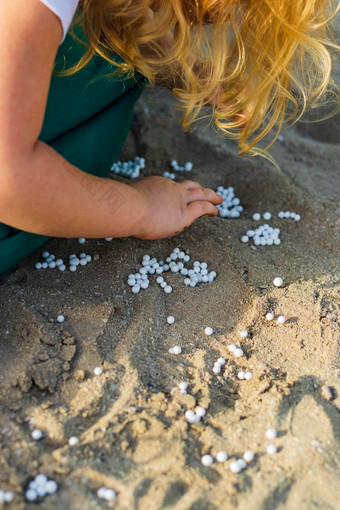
(133, 436)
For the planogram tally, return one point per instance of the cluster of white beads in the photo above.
(130, 168)
(6, 497)
(271, 448)
(288, 214)
(183, 386)
(107, 494)
(169, 175)
(187, 167)
(280, 320)
(244, 376)
(40, 487)
(218, 365)
(266, 216)
(199, 273)
(237, 351)
(230, 207)
(264, 235)
(236, 466)
(52, 263)
(194, 416)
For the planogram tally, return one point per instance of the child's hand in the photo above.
(171, 207)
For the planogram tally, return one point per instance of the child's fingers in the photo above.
(205, 194)
(191, 185)
(199, 208)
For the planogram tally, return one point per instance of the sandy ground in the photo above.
(133, 436)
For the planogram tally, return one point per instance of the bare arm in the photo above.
(39, 190)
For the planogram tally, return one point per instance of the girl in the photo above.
(257, 62)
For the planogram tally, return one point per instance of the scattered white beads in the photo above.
(187, 167)
(74, 261)
(183, 386)
(267, 216)
(107, 494)
(207, 460)
(6, 497)
(60, 319)
(40, 487)
(264, 235)
(170, 319)
(278, 282)
(130, 168)
(230, 207)
(289, 214)
(98, 371)
(256, 216)
(169, 175)
(73, 441)
(269, 316)
(271, 433)
(36, 434)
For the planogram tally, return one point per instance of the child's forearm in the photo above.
(47, 195)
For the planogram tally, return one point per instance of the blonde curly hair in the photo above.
(259, 63)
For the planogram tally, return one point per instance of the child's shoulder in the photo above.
(65, 10)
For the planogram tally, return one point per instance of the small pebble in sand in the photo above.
(73, 441)
(281, 319)
(270, 316)
(107, 494)
(98, 371)
(208, 331)
(207, 460)
(177, 349)
(243, 333)
(277, 282)
(271, 449)
(170, 319)
(248, 456)
(248, 376)
(200, 411)
(60, 318)
(36, 434)
(238, 352)
(271, 433)
(235, 467)
(81, 240)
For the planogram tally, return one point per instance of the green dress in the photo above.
(86, 120)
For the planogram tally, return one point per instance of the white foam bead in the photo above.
(244, 239)
(256, 216)
(110, 494)
(270, 316)
(38, 265)
(60, 318)
(271, 449)
(62, 267)
(49, 259)
(241, 375)
(81, 240)
(281, 319)
(159, 270)
(205, 279)
(52, 264)
(186, 258)
(168, 289)
(131, 282)
(271, 433)
(40, 479)
(297, 217)
(101, 492)
(232, 347)
(177, 349)
(217, 369)
(8, 497)
(146, 257)
(98, 371)
(243, 333)
(159, 279)
(277, 242)
(73, 268)
(241, 463)
(108, 239)
(145, 284)
(221, 456)
(200, 411)
(184, 271)
(45, 255)
(36, 434)
(163, 285)
(44, 265)
(190, 416)
(267, 215)
(73, 441)
(207, 460)
(235, 467)
(51, 487)
(238, 352)
(248, 376)
(208, 331)
(83, 262)
(248, 456)
(183, 385)
(135, 289)
(281, 214)
(170, 319)
(221, 361)
(171, 350)
(277, 282)
(31, 495)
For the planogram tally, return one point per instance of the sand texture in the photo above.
(133, 436)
